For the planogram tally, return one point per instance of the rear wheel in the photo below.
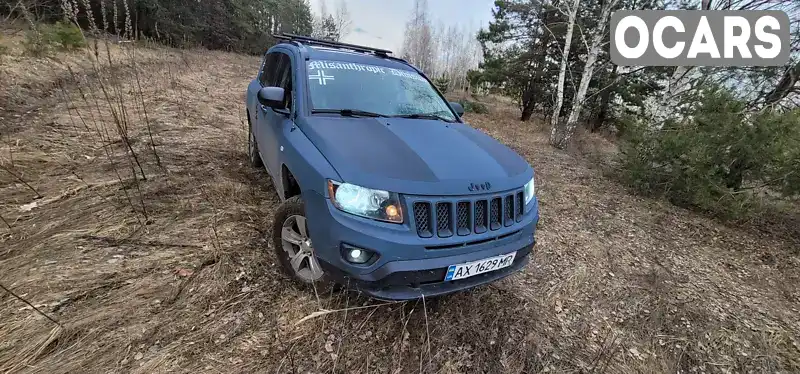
(294, 248)
(252, 147)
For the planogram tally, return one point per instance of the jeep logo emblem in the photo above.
(486, 186)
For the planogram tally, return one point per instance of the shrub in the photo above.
(474, 107)
(40, 40)
(717, 157)
(35, 43)
(64, 34)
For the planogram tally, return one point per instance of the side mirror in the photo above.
(458, 108)
(273, 97)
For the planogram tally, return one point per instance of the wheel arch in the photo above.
(290, 185)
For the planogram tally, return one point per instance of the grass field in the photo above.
(131, 218)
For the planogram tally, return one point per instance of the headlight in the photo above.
(366, 202)
(530, 191)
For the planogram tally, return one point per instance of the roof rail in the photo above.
(327, 43)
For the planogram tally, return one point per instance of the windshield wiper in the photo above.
(424, 116)
(349, 112)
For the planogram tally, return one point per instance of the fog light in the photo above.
(356, 255)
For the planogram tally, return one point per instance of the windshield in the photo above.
(336, 85)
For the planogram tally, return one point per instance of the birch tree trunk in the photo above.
(562, 74)
(679, 83)
(586, 77)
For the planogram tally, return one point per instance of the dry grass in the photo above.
(618, 283)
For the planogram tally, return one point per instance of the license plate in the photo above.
(461, 271)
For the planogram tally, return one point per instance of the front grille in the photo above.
(508, 211)
(422, 217)
(443, 222)
(494, 218)
(467, 215)
(480, 217)
(462, 228)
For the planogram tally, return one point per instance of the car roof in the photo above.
(316, 52)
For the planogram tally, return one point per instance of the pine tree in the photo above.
(442, 83)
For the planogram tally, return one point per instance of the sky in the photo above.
(381, 23)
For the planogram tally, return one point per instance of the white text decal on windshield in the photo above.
(336, 65)
(344, 66)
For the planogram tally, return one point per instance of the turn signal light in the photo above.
(393, 213)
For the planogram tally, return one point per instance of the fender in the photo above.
(308, 166)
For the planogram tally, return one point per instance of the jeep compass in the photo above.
(383, 187)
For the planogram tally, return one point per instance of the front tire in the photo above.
(294, 248)
(252, 147)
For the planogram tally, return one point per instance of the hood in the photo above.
(415, 156)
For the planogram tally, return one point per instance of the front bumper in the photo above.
(409, 267)
(424, 282)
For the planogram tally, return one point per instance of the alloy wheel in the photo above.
(298, 246)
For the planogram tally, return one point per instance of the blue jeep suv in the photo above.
(384, 188)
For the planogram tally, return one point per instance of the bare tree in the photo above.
(562, 74)
(443, 55)
(342, 20)
(327, 26)
(788, 84)
(597, 43)
(323, 8)
(679, 83)
(418, 45)
(455, 51)
(467, 56)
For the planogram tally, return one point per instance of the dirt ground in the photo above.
(171, 270)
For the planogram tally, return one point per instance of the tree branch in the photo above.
(38, 195)
(30, 305)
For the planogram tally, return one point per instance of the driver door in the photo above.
(273, 122)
